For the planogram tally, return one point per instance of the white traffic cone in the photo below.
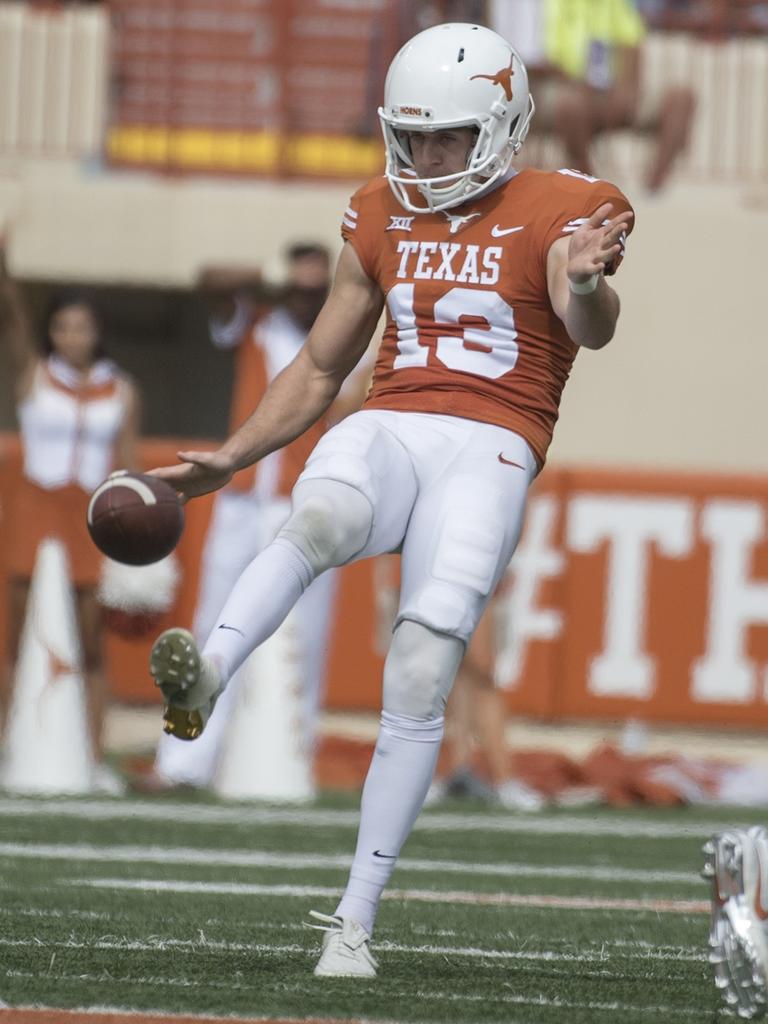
(47, 748)
(266, 755)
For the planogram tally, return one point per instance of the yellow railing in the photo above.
(54, 101)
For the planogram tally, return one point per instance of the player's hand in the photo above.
(199, 473)
(595, 243)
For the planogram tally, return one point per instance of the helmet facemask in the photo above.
(484, 166)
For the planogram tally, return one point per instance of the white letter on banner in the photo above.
(725, 673)
(623, 669)
(518, 620)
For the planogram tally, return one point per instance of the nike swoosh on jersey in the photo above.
(507, 462)
(498, 231)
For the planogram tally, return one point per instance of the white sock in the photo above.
(260, 600)
(400, 774)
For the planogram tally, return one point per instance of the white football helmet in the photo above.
(453, 76)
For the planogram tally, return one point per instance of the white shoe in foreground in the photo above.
(105, 780)
(190, 683)
(346, 949)
(736, 862)
(514, 795)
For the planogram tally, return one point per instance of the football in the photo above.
(134, 518)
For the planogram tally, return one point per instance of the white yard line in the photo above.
(430, 821)
(420, 930)
(293, 861)
(660, 1012)
(544, 1002)
(467, 952)
(84, 915)
(501, 899)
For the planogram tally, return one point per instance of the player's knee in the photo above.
(469, 555)
(329, 524)
(419, 671)
(447, 608)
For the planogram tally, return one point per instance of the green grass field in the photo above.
(198, 907)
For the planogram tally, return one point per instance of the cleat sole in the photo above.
(174, 662)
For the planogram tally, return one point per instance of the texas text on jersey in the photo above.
(470, 328)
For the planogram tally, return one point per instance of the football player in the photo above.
(736, 865)
(493, 280)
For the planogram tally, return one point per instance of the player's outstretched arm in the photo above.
(127, 444)
(590, 315)
(299, 395)
(15, 328)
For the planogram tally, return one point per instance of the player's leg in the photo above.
(91, 624)
(353, 499)
(234, 537)
(486, 711)
(18, 595)
(673, 132)
(736, 863)
(574, 124)
(464, 720)
(418, 674)
(329, 525)
(91, 637)
(462, 532)
(314, 612)
(488, 717)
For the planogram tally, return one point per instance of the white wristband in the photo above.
(584, 287)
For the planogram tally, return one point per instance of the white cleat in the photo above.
(514, 795)
(736, 863)
(346, 949)
(190, 683)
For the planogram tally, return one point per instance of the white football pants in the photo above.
(449, 493)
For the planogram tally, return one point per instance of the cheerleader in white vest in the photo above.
(78, 417)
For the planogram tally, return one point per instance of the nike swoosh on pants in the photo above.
(508, 462)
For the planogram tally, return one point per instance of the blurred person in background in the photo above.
(476, 712)
(476, 720)
(266, 328)
(415, 17)
(710, 20)
(587, 78)
(79, 418)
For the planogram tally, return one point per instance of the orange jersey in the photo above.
(470, 328)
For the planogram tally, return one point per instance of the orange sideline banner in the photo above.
(641, 594)
(632, 594)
